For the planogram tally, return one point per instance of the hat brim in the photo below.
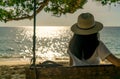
(98, 26)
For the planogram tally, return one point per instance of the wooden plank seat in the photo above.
(56, 71)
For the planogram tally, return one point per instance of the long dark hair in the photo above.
(83, 46)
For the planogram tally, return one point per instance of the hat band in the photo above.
(86, 28)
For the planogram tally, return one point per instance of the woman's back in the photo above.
(83, 46)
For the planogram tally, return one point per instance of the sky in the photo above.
(108, 15)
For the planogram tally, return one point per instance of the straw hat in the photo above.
(86, 25)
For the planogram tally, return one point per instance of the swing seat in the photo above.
(52, 70)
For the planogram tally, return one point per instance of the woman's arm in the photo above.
(114, 60)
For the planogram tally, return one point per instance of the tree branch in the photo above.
(42, 5)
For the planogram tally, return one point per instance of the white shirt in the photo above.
(101, 52)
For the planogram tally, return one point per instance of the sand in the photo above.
(12, 72)
(14, 68)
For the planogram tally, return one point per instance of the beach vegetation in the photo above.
(23, 9)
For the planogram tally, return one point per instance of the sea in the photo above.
(51, 41)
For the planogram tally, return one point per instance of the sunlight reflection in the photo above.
(45, 31)
(50, 41)
(49, 55)
(51, 31)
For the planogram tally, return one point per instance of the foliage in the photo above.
(105, 2)
(59, 7)
(16, 9)
(23, 9)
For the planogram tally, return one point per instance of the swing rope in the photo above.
(34, 35)
(33, 60)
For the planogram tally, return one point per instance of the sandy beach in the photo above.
(12, 71)
(14, 68)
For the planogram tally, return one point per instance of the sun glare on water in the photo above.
(49, 55)
(46, 31)
(48, 41)
(49, 31)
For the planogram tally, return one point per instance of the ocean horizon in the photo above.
(51, 42)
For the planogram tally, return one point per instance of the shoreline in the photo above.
(13, 61)
(27, 61)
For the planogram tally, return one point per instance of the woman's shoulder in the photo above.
(103, 51)
(101, 44)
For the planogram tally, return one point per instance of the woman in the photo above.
(85, 48)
